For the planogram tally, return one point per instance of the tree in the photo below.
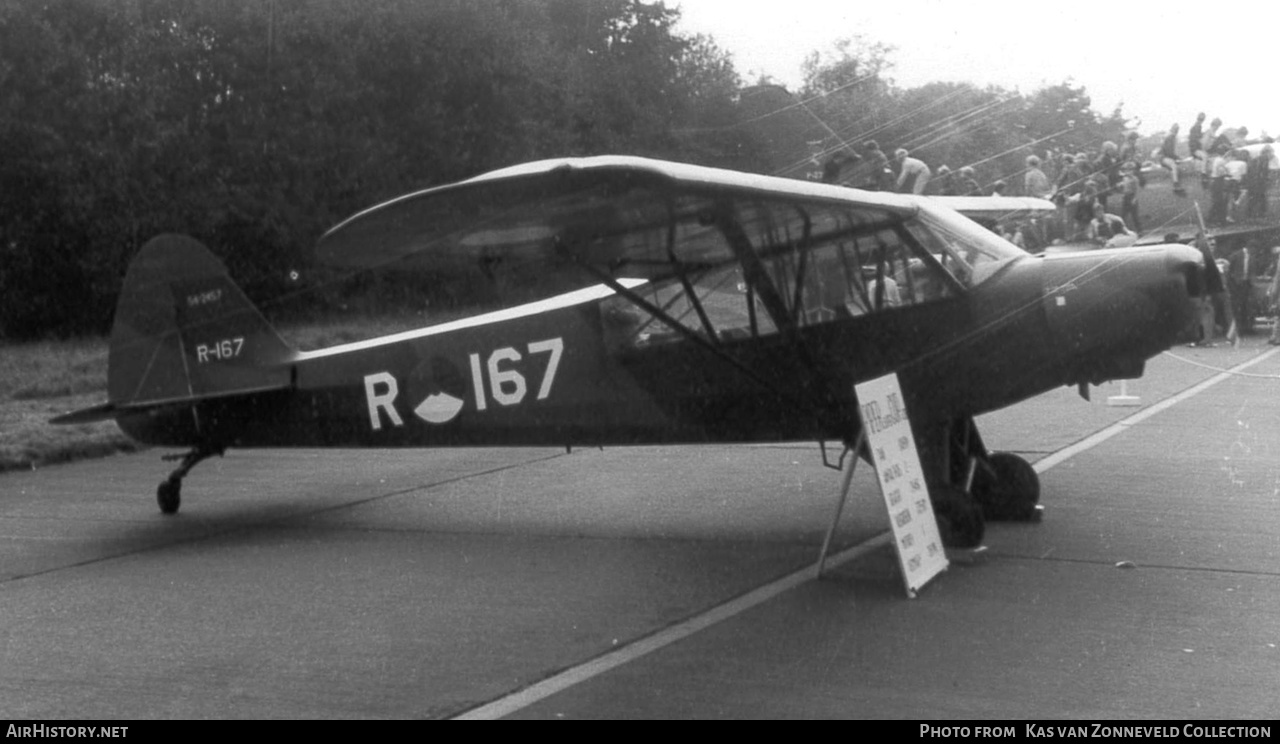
(950, 123)
(1062, 115)
(253, 125)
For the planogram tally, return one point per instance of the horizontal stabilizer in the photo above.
(103, 412)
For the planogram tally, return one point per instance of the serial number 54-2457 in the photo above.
(219, 351)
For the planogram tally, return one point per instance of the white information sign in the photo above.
(897, 463)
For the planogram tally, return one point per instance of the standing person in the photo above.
(1169, 159)
(1195, 142)
(1239, 281)
(1129, 197)
(1273, 298)
(1258, 175)
(1217, 188)
(1050, 164)
(1129, 150)
(1071, 176)
(1035, 183)
(1210, 144)
(1066, 195)
(1081, 193)
(878, 175)
(1237, 169)
(913, 174)
(1108, 166)
(1129, 154)
(1212, 302)
(1084, 208)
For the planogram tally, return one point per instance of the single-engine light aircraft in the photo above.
(686, 305)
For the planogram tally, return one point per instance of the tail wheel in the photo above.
(169, 495)
(959, 518)
(1008, 488)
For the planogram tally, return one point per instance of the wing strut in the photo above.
(828, 407)
(693, 336)
(684, 279)
(710, 341)
(753, 271)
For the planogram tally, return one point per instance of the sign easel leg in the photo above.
(846, 482)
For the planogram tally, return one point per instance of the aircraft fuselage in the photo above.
(550, 379)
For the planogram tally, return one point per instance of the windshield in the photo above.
(969, 251)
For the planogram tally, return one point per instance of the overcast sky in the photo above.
(1164, 60)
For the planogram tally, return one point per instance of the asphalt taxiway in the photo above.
(662, 582)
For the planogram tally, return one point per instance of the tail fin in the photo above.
(184, 331)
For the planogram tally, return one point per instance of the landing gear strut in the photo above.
(960, 523)
(1004, 485)
(971, 486)
(169, 493)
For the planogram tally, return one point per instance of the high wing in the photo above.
(626, 216)
(605, 211)
(996, 208)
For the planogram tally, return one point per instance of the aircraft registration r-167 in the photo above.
(685, 305)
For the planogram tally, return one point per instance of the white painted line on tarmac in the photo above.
(632, 651)
(540, 690)
(1090, 442)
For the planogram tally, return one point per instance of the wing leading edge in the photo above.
(603, 211)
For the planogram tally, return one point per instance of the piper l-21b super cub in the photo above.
(681, 305)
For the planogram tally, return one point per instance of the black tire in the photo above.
(169, 496)
(960, 522)
(1010, 490)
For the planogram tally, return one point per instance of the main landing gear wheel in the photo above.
(1007, 488)
(959, 518)
(169, 496)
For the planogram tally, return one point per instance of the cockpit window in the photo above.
(716, 303)
(969, 252)
(798, 265)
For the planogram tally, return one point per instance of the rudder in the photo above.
(184, 331)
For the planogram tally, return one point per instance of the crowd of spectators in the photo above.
(1229, 173)
(1232, 173)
